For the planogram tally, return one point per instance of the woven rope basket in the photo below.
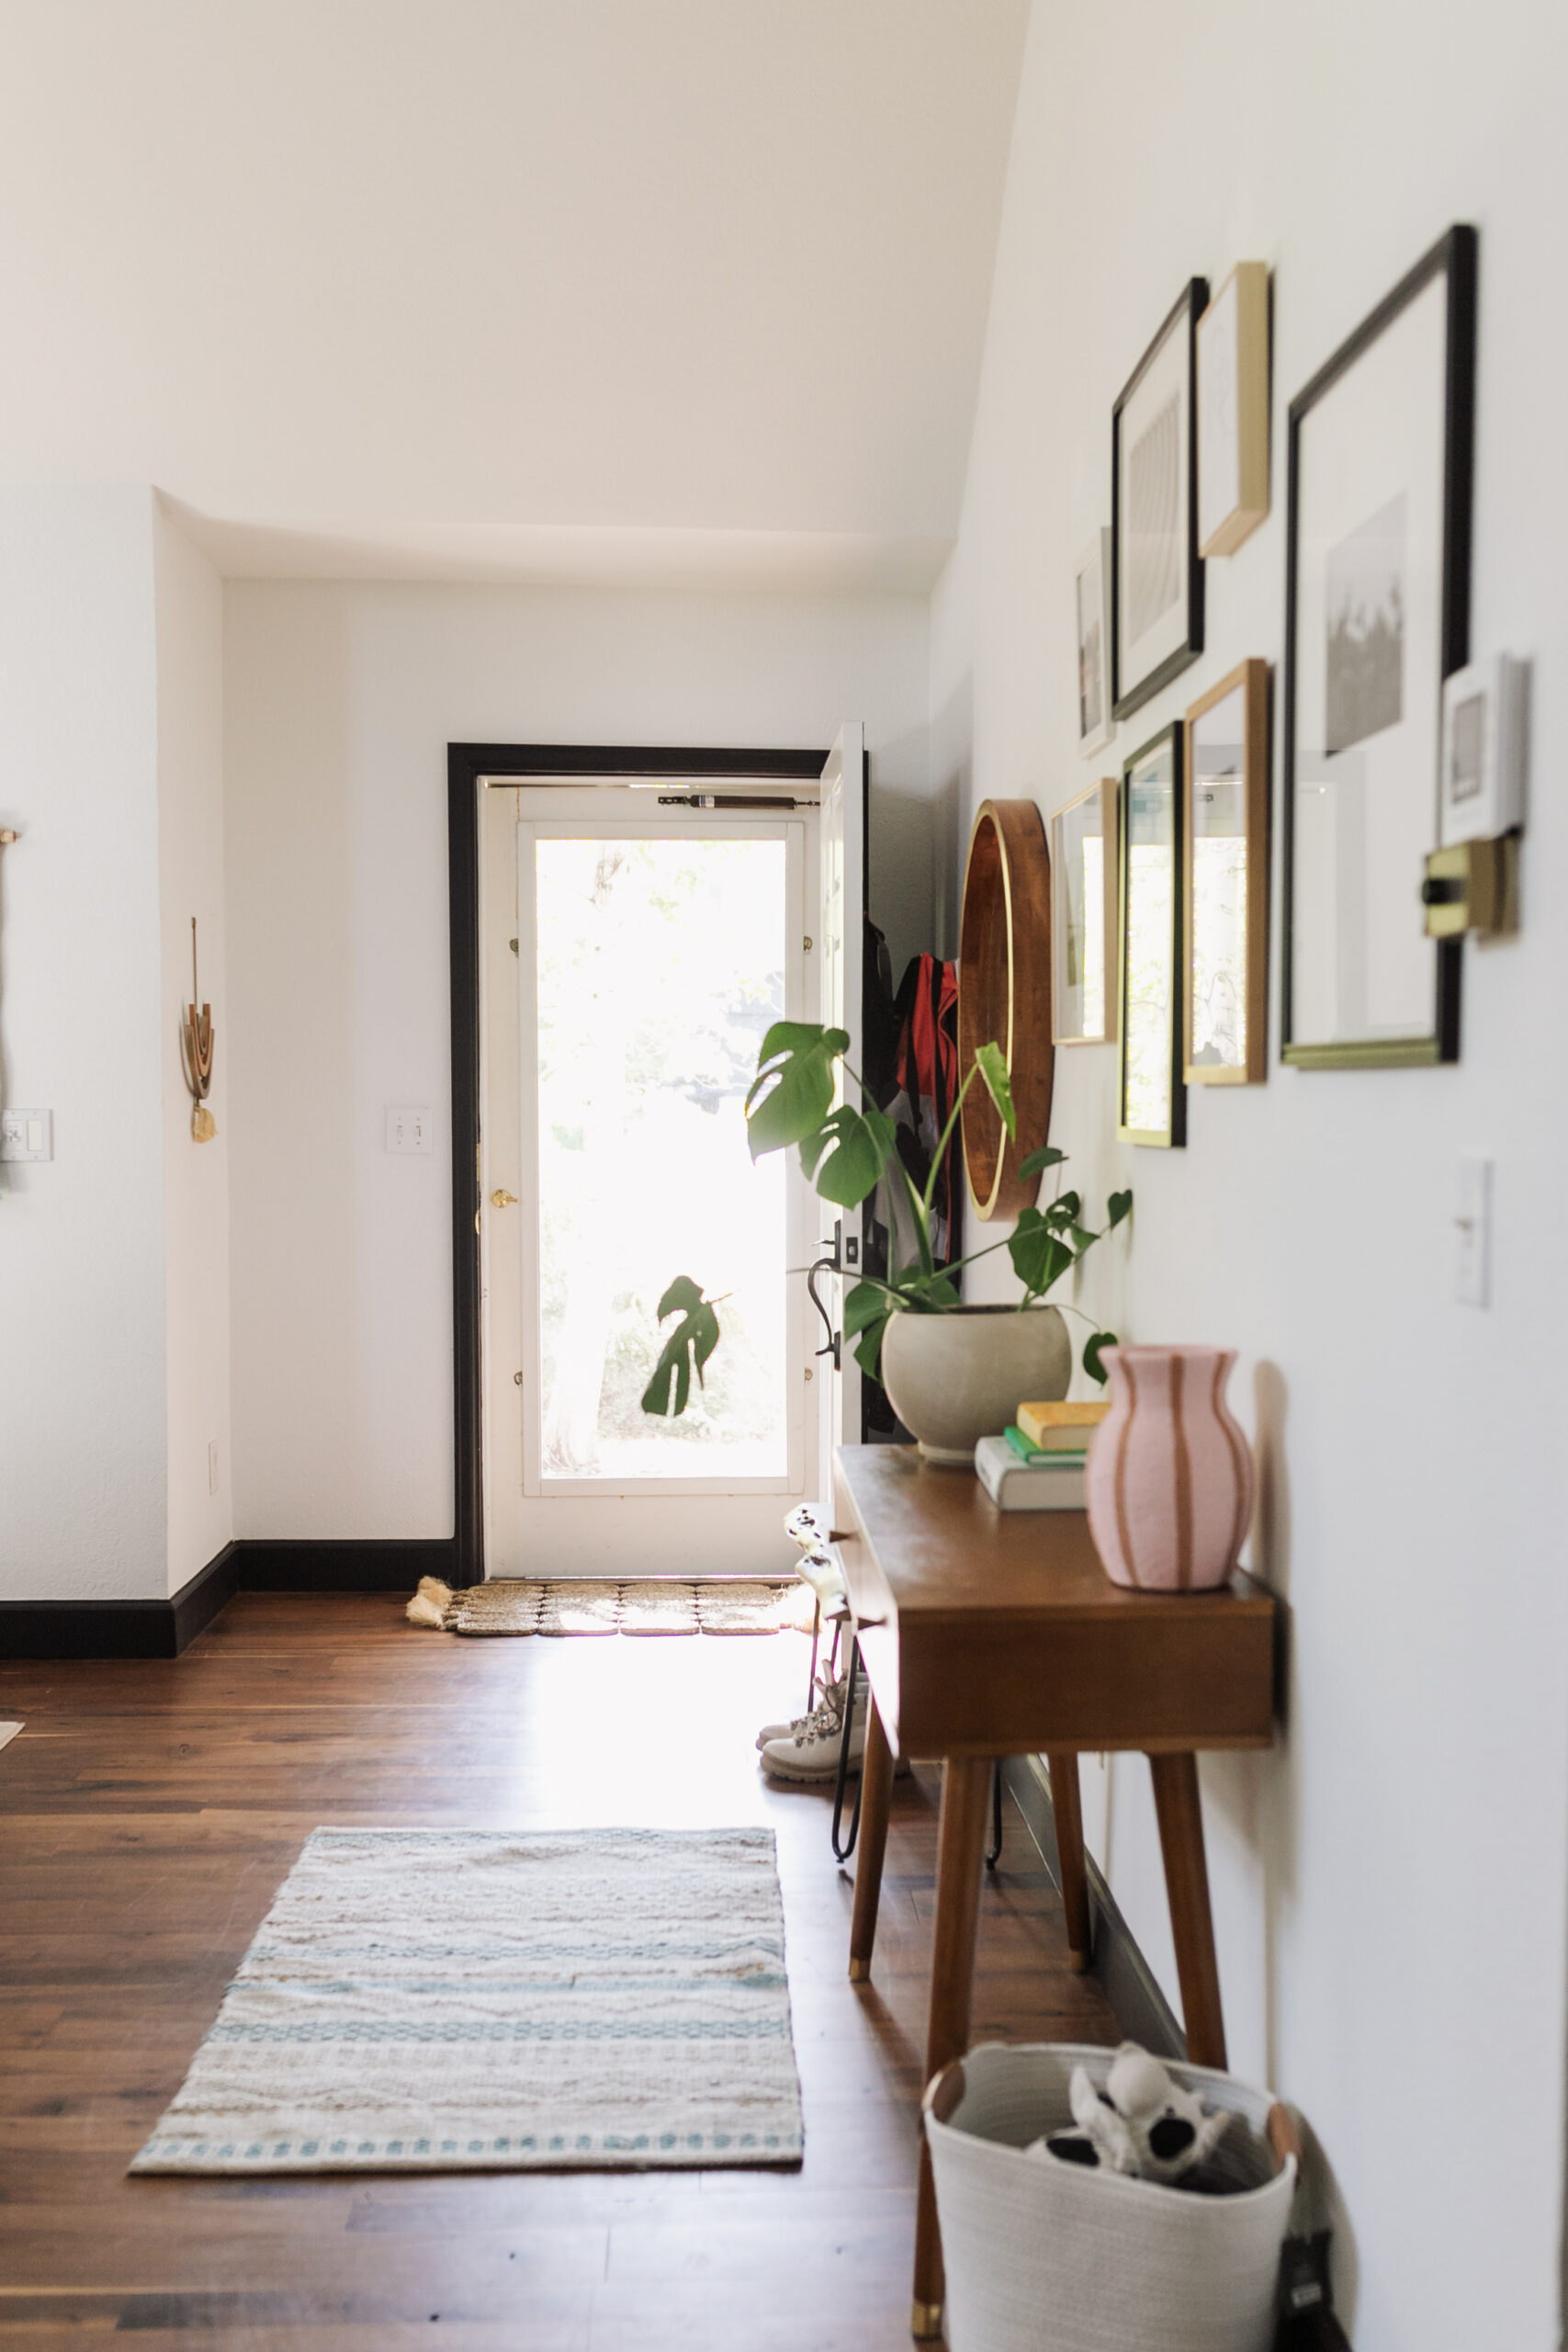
(1044, 2257)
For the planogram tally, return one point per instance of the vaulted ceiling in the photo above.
(554, 289)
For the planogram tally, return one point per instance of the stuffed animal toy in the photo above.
(1142, 2123)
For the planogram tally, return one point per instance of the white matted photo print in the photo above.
(1378, 614)
(1157, 578)
(1091, 611)
(1486, 749)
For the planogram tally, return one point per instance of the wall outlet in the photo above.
(27, 1135)
(1473, 1233)
(212, 1468)
(409, 1127)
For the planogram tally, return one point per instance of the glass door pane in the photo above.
(660, 963)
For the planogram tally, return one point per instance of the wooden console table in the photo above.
(987, 1634)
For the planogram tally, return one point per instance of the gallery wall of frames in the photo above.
(1401, 758)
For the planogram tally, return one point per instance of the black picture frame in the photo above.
(1172, 740)
(1130, 694)
(1455, 258)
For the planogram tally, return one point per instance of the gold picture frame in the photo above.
(1233, 410)
(1224, 866)
(1084, 917)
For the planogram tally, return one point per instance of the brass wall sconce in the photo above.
(196, 1053)
(1474, 887)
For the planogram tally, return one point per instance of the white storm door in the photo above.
(841, 856)
(652, 954)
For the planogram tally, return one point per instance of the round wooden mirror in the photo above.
(1004, 994)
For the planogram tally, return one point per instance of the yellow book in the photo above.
(1058, 1427)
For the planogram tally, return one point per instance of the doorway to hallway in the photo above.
(632, 946)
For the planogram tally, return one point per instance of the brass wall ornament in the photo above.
(196, 1053)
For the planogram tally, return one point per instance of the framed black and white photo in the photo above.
(1377, 616)
(1152, 1097)
(1091, 610)
(1225, 874)
(1083, 918)
(1233, 410)
(1485, 741)
(1157, 588)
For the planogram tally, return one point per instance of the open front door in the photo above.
(638, 949)
(842, 850)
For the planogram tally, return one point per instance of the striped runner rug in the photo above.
(456, 2000)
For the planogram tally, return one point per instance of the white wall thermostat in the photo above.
(1484, 750)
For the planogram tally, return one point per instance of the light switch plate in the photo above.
(27, 1135)
(409, 1127)
(1473, 1231)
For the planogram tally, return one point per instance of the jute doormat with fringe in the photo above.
(647, 1605)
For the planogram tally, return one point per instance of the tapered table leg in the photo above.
(965, 1796)
(875, 1798)
(1068, 1814)
(1187, 1889)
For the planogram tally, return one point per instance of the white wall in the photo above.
(339, 702)
(1388, 1883)
(189, 615)
(82, 1390)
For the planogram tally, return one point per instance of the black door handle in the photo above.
(833, 1337)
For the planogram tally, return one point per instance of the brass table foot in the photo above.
(925, 2322)
(860, 1969)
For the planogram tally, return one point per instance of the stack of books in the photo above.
(1038, 1463)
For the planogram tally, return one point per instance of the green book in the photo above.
(1070, 1457)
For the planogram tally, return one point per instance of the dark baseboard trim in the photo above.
(1141, 2010)
(195, 1604)
(110, 1629)
(348, 1564)
(39, 1629)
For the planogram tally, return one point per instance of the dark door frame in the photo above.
(516, 763)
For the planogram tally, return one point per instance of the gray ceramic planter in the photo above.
(956, 1379)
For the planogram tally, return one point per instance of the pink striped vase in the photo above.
(1169, 1479)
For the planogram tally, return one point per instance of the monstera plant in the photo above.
(847, 1153)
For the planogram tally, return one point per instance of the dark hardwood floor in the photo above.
(147, 1815)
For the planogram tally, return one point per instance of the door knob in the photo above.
(503, 1200)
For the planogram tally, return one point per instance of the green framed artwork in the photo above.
(1152, 1093)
